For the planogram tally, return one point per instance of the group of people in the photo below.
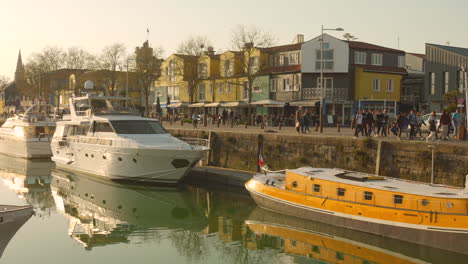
(303, 120)
(377, 123)
(370, 123)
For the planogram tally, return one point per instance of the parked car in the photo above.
(425, 128)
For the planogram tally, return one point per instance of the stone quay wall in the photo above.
(410, 160)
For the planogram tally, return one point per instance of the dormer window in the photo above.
(228, 68)
(359, 57)
(377, 59)
(202, 71)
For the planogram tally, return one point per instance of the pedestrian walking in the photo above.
(403, 123)
(432, 126)
(370, 123)
(384, 123)
(359, 119)
(455, 122)
(195, 118)
(413, 123)
(299, 120)
(444, 123)
(419, 123)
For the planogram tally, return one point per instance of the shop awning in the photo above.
(303, 103)
(236, 104)
(268, 103)
(177, 105)
(215, 104)
(197, 105)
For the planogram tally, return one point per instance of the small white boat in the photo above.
(104, 136)
(11, 219)
(28, 135)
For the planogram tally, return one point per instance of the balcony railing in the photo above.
(315, 93)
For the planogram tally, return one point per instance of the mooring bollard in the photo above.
(339, 126)
(182, 122)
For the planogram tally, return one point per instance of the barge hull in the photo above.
(445, 240)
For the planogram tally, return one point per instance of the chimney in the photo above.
(299, 38)
(210, 51)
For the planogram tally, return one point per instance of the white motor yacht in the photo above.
(28, 135)
(106, 137)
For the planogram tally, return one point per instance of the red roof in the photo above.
(368, 46)
(373, 68)
(283, 48)
(282, 69)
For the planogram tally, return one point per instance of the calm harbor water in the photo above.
(82, 219)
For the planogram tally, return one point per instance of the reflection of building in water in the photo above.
(103, 212)
(29, 180)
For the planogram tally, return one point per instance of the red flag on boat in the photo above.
(260, 160)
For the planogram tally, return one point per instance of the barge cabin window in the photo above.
(368, 196)
(340, 191)
(316, 187)
(142, 127)
(397, 199)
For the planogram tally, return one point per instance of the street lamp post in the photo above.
(322, 90)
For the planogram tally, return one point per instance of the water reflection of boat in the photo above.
(305, 239)
(29, 179)
(103, 212)
(11, 220)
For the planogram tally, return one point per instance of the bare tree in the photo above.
(148, 68)
(109, 62)
(78, 58)
(192, 50)
(50, 59)
(3, 82)
(250, 40)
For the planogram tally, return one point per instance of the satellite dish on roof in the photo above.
(89, 84)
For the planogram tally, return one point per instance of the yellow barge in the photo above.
(434, 215)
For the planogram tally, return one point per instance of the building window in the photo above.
(389, 84)
(340, 191)
(397, 199)
(253, 64)
(221, 88)
(211, 88)
(171, 70)
(202, 70)
(326, 45)
(328, 59)
(446, 82)
(359, 57)
(294, 58)
(327, 82)
(229, 88)
(228, 68)
(432, 84)
(245, 90)
(316, 187)
(376, 85)
(461, 80)
(286, 84)
(401, 61)
(281, 59)
(368, 196)
(201, 92)
(173, 92)
(376, 59)
(273, 85)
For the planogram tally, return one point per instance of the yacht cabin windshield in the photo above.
(137, 127)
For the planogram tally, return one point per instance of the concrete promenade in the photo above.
(345, 132)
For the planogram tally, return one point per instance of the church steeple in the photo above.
(19, 73)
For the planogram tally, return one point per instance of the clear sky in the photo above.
(30, 25)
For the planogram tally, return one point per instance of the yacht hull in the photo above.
(12, 218)
(30, 149)
(416, 234)
(148, 165)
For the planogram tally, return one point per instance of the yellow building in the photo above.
(377, 85)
